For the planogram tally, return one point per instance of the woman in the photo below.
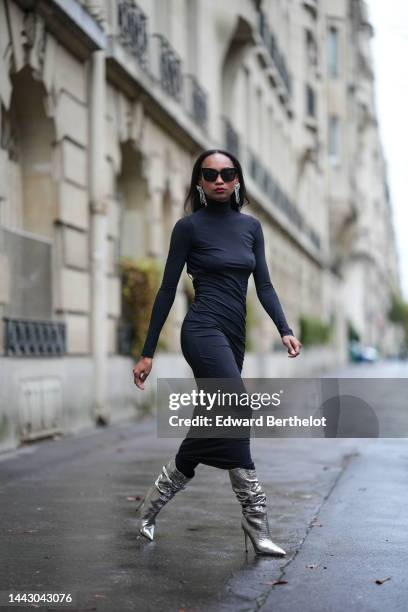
(222, 247)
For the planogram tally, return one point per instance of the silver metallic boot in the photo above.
(254, 523)
(167, 484)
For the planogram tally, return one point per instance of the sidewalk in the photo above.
(363, 538)
(68, 526)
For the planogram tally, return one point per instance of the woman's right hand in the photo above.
(141, 371)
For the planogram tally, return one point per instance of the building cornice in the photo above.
(70, 23)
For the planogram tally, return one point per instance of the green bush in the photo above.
(398, 313)
(314, 331)
(140, 283)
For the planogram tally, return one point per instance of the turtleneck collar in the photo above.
(218, 207)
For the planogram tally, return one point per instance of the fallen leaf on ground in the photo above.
(382, 580)
(276, 582)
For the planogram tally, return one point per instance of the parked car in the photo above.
(358, 352)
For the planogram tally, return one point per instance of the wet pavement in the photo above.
(337, 506)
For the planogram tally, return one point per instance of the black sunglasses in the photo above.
(211, 175)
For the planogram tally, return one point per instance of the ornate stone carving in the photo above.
(34, 41)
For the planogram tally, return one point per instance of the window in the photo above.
(334, 139)
(333, 52)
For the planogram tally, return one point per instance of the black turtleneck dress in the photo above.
(222, 248)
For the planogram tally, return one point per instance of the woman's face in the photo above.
(219, 189)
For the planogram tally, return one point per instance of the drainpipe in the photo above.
(98, 229)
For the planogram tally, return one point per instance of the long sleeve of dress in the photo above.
(264, 288)
(180, 242)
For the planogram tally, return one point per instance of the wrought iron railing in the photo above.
(196, 98)
(231, 138)
(268, 184)
(31, 338)
(169, 67)
(271, 44)
(133, 29)
(160, 60)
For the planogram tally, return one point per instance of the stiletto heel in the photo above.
(254, 523)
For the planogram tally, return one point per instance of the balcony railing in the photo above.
(196, 99)
(167, 66)
(133, 29)
(268, 184)
(280, 63)
(271, 44)
(161, 63)
(231, 138)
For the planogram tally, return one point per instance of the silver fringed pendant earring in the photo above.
(202, 195)
(236, 189)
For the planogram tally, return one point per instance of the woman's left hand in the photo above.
(292, 344)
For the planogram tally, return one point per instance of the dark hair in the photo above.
(193, 197)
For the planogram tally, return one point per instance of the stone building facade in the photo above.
(363, 251)
(104, 107)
